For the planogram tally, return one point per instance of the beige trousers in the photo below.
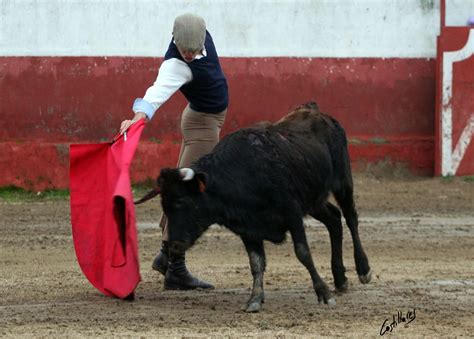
(200, 134)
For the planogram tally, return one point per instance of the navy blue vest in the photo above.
(207, 92)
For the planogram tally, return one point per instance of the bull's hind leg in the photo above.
(304, 256)
(330, 216)
(345, 199)
(256, 253)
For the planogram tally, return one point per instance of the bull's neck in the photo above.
(213, 208)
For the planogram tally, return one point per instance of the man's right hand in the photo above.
(125, 125)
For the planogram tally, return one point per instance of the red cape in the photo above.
(103, 215)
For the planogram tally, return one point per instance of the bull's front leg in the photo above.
(256, 253)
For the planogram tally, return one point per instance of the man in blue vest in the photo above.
(191, 65)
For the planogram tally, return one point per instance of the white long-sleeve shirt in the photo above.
(173, 74)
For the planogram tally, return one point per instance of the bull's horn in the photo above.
(186, 173)
(148, 196)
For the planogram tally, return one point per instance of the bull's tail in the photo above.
(149, 196)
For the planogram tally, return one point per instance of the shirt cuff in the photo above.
(143, 106)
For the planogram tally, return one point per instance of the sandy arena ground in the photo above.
(417, 232)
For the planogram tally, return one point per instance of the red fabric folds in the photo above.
(103, 214)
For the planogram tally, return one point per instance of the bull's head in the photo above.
(183, 202)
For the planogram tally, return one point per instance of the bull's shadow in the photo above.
(260, 182)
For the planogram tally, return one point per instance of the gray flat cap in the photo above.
(189, 32)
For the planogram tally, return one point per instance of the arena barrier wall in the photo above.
(70, 71)
(53, 102)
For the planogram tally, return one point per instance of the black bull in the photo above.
(260, 182)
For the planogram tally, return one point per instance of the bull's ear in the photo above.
(201, 178)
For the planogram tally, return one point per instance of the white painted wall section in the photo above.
(244, 28)
(458, 12)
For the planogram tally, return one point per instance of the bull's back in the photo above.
(295, 155)
(308, 121)
(321, 131)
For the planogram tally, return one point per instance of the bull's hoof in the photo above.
(330, 302)
(254, 304)
(365, 278)
(253, 307)
(324, 296)
(343, 288)
(327, 299)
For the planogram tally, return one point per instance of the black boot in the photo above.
(178, 277)
(160, 263)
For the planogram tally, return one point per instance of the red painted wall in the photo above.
(46, 103)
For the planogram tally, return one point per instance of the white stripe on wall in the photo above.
(451, 159)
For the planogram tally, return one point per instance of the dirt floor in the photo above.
(417, 232)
